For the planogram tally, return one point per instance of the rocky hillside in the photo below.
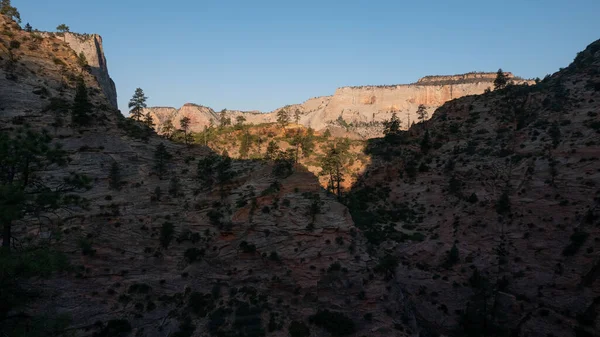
(360, 110)
(491, 209)
(204, 246)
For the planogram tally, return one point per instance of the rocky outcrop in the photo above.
(362, 109)
(91, 46)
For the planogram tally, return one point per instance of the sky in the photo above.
(263, 54)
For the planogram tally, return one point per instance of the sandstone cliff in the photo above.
(361, 110)
(91, 46)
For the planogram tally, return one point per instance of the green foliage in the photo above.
(283, 117)
(245, 144)
(422, 113)
(299, 329)
(166, 234)
(174, 188)
(82, 108)
(137, 103)
(185, 126)
(23, 189)
(28, 28)
(308, 143)
(392, 127)
(206, 169)
(134, 129)
(82, 60)
(161, 160)
(425, 143)
(577, 240)
(272, 150)
(7, 9)
(62, 28)
(501, 80)
(336, 323)
(14, 44)
(284, 164)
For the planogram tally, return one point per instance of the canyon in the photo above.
(482, 221)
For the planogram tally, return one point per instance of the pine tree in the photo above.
(7, 9)
(23, 189)
(308, 143)
(240, 121)
(297, 116)
(272, 150)
(283, 117)
(185, 126)
(223, 119)
(81, 109)
(137, 103)
(392, 127)
(82, 60)
(161, 160)
(245, 144)
(422, 113)
(148, 120)
(501, 80)
(62, 28)
(168, 129)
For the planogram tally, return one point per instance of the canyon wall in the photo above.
(359, 110)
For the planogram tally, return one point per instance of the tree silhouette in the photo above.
(28, 28)
(392, 127)
(185, 125)
(161, 159)
(501, 80)
(168, 129)
(422, 113)
(137, 103)
(272, 150)
(81, 109)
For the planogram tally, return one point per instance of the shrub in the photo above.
(14, 44)
(577, 240)
(336, 323)
(193, 254)
(115, 328)
(299, 329)
(166, 234)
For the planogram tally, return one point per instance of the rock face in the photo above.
(91, 46)
(363, 109)
(498, 228)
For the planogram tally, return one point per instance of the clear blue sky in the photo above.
(263, 54)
